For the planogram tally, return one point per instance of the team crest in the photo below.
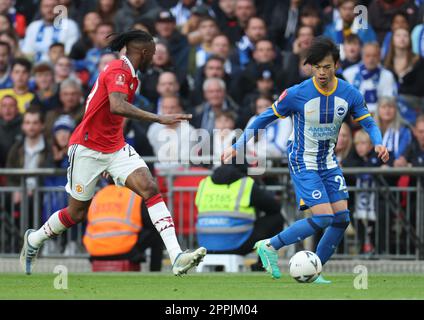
(131, 86)
(79, 188)
(120, 80)
(341, 111)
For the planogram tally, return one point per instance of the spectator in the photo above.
(182, 11)
(5, 24)
(370, 78)
(85, 42)
(344, 143)
(418, 38)
(365, 200)
(273, 142)
(294, 70)
(245, 206)
(224, 134)
(13, 41)
(255, 30)
(17, 19)
(53, 201)
(42, 33)
(352, 51)
(100, 44)
(107, 9)
(221, 47)
(414, 153)
(171, 143)
(310, 16)
(167, 86)
(265, 86)
(46, 90)
(21, 70)
(56, 51)
(382, 12)
(64, 69)
(105, 58)
(29, 153)
(283, 23)
(243, 11)
(161, 62)
(213, 68)
(133, 10)
(118, 208)
(216, 101)
(264, 54)
(10, 126)
(347, 24)
(191, 26)
(224, 11)
(199, 54)
(396, 134)
(5, 59)
(400, 20)
(70, 95)
(406, 66)
(177, 43)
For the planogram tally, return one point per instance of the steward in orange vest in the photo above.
(115, 229)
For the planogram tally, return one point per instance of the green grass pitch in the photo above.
(213, 286)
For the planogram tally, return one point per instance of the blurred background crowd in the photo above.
(224, 61)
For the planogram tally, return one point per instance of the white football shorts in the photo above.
(86, 166)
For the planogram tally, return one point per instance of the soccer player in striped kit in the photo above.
(317, 106)
(97, 145)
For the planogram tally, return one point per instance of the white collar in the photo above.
(128, 62)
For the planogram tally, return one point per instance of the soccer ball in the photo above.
(305, 266)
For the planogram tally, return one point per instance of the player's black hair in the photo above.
(122, 39)
(320, 48)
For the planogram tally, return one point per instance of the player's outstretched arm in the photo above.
(120, 106)
(373, 131)
(264, 119)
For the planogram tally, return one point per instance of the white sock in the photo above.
(162, 219)
(52, 228)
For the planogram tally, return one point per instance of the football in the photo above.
(305, 266)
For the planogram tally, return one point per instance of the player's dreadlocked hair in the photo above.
(122, 39)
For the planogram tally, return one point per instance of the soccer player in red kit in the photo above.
(97, 145)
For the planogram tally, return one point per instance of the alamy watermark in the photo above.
(360, 282)
(184, 145)
(61, 20)
(60, 282)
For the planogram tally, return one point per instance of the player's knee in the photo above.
(78, 215)
(341, 219)
(320, 221)
(150, 189)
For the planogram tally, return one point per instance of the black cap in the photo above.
(264, 72)
(165, 16)
(200, 10)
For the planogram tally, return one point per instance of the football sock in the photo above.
(301, 229)
(333, 235)
(162, 220)
(55, 225)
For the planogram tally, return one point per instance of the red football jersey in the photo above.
(101, 130)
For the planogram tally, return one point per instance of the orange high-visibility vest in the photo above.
(113, 222)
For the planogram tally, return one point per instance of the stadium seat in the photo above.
(114, 266)
(230, 262)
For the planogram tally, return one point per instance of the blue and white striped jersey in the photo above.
(317, 116)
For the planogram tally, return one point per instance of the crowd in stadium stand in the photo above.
(224, 61)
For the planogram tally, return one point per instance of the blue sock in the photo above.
(333, 235)
(301, 229)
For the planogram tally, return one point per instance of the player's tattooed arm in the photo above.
(120, 106)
